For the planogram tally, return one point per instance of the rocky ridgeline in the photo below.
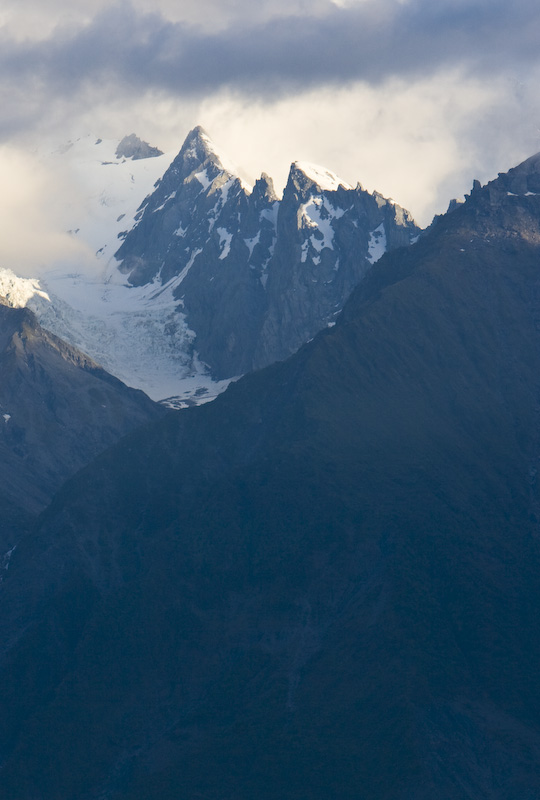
(133, 147)
(58, 410)
(256, 276)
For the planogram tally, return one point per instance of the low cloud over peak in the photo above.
(451, 84)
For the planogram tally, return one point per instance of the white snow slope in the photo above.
(132, 332)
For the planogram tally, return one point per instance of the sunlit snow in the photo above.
(318, 214)
(325, 179)
(203, 179)
(18, 291)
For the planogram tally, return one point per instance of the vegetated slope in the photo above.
(58, 411)
(324, 584)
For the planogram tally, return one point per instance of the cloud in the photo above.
(412, 98)
(31, 215)
(370, 41)
(420, 143)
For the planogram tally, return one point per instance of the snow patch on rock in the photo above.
(377, 244)
(318, 213)
(225, 239)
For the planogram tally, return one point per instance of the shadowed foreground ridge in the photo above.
(323, 584)
(58, 410)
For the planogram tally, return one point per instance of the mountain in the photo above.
(133, 147)
(134, 335)
(58, 411)
(211, 278)
(256, 276)
(324, 584)
(106, 181)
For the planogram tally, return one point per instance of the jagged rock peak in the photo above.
(454, 203)
(199, 149)
(522, 181)
(133, 147)
(264, 188)
(197, 146)
(304, 174)
(476, 186)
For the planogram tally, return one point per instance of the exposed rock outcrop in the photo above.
(257, 276)
(133, 147)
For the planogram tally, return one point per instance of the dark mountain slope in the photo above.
(58, 411)
(324, 584)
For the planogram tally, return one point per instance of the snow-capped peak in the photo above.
(326, 180)
(133, 147)
(16, 291)
(187, 229)
(197, 146)
(199, 150)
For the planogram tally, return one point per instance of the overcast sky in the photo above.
(414, 98)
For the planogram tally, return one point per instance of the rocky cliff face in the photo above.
(324, 584)
(256, 276)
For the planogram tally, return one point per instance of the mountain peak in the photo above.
(198, 149)
(198, 142)
(133, 147)
(264, 188)
(16, 291)
(530, 165)
(304, 172)
(521, 185)
(523, 179)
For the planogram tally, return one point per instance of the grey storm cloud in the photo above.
(369, 41)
